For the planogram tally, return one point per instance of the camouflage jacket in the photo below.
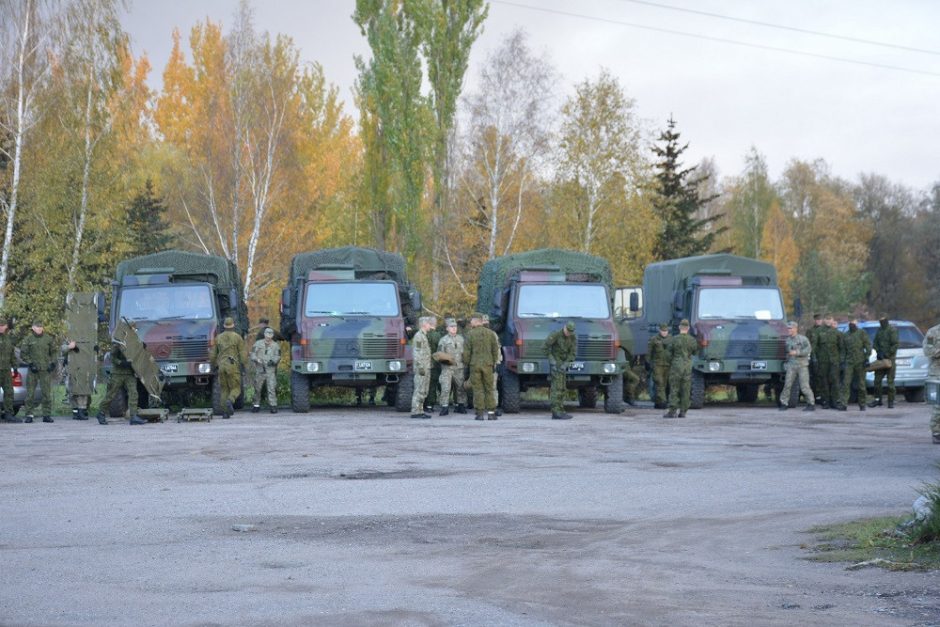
(682, 348)
(265, 355)
(40, 351)
(561, 349)
(813, 334)
(800, 345)
(7, 351)
(481, 348)
(857, 347)
(119, 362)
(932, 350)
(421, 351)
(453, 346)
(229, 346)
(657, 351)
(886, 343)
(828, 344)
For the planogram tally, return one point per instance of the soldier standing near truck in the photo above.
(932, 351)
(452, 374)
(561, 347)
(682, 348)
(815, 374)
(265, 355)
(122, 378)
(40, 352)
(826, 350)
(421, 353)
(482, 355)
(7, 364)
(799, 351)
(886, 347)
(228, 359)
(857, 349)
(657, 352)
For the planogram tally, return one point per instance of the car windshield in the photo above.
(351, 299)
(167, 302)
(560, 300)
(754, 303)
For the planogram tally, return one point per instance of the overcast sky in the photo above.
(724, 97)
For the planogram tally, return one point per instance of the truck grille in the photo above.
(595, 348)
(180, 350)
(533, 350)
(370, 346)
(748, 349)
(379, 346)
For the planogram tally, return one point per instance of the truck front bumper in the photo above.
(345, 368)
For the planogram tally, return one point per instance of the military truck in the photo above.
(177, 301)
(527, 296)
(736, 314)
(345, 311)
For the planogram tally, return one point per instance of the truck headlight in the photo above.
(394, 366)
(714, 366)
(204, 368)
(610, 368)
(313, 366)
(528, 366)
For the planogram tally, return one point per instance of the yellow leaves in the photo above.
(779, 248)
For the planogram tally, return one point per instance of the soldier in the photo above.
(826, 351)
(815, 375)
(486, 325)
(799, 351)
(857, 349)
(228, 358)
(122, 378)
(421, 352)
(657, 355)
(40, 353)
(481, 354)
(7, 364)
(681, 349)
(263, 325)
(631, 380)
(932, 351)
(434, 336)
(452, 374)
(265, 355)
(886, 347)
(561, 347)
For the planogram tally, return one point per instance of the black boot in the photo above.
(230, 407)
(10, 418)
(671, 413)
(137, 420)
(75, 414)
(492, 415)
(875, 403)
(274, 410)
(783, 407)
(418, 415)
(29, 419)
(445, 410)
(842, 407)
(479, 416)
(255, 409)
(809, 407)
(461, 409)
(101, 419)
(862, 408)
(561, 416)
(82, 414)
(936, 438)
(681, 413)
(890, 404)
(498, 412)
(47, 419)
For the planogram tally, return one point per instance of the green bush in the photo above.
(928, 530)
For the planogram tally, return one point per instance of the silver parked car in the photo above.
(911, 364)
(19, 387)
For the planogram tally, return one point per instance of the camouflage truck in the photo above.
(736, 312)
(345, 312)
(177, 300)
(527, 296)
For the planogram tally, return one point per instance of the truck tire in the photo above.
(747, 392)
(118, 405)
(697, 395)
(299, 392)
(509, 395)
(914, 395)
(613, 396)
(404, 391)
(587, 397)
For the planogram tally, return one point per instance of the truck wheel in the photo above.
(747, 392)
(299, 392)
(587, 397)
(509, 394)
(216, 395)
(404, 391)
(914, 395)
(697, 396)
(613, 396)
(118, 405)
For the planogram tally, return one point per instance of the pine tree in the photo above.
(678, 202)
(147, 229)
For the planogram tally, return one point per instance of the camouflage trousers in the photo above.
(230, 381)
(44, 380)
(266, 376)
(854, 372)
(880, 376)
(481, 380)
(6, 383)
(495, 398)
(661, 383)
(422, 383)
(935, 421)
(434, 384)
(630, 383)
(117, 382)
(680, 388)
(800, 374)
(452, 379)
(558, 390)
(827, 388)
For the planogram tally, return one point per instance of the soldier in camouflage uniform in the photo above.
(499, 360)
(827, 353)
(265, 355)
(932, 351)
(452, 374)
(40, 352)
(122, 378)
(7, 364)
(434, 336)
(421, 352)
(228, 359)
(561, 346)
(857, 349)
(657, 355)
(799, 351)
(886, 347)
(481, 354)
(682, 348)
(815, 374)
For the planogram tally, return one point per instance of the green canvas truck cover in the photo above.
(367, 262)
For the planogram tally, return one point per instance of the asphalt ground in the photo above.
(361, 516)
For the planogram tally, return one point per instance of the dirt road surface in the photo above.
(349, 516)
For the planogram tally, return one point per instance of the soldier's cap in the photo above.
(793, 324)
(269, 332)
(228, 323)
(818, 316)
(684, 323)
(476, 316)
(663, 326)
(450, 322)
(38, 323)
(485, 317)
(570, 326)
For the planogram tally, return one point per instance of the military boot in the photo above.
(461, 409)
(561, 416)
(10, 418)
(101, 419)
(842, 407)
(137, 420)
(783, 407)
(492, 415)
(255, 409)
(936, 438)
(230, 407)
(876, 402)
(681, 413)
(498, 412)
(824, 405)
(47, 419)
(861, 408)
(445, 410)
(75, 414)
(29, 419)
(671, 413)
(890, 404)
(274, 410)
(418, 415)
(809, 407)
(82, 413)
(479, 416)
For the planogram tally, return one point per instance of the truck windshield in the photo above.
(757, 303)
(560, 300)
(351, 299)
(167, 302)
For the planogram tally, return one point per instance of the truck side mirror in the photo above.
(634, 302)
(285, 302)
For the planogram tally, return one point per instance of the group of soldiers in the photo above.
(669, 359)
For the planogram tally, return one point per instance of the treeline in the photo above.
(247, 151)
